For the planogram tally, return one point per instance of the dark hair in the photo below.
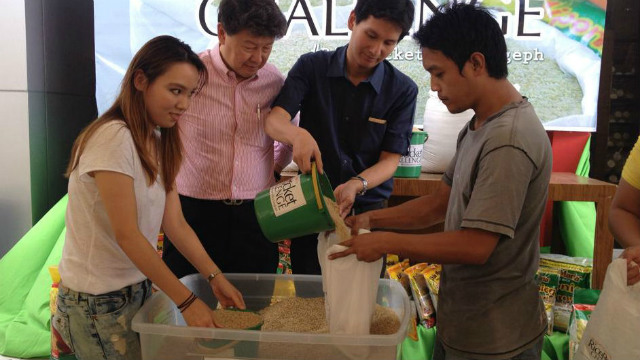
(154, 58)
(458, 30)
(400, 12)
(260, 17)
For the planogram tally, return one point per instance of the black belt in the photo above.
(236, 202)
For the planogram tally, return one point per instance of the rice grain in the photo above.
(234, 319)
(307, 315)
(342, 230)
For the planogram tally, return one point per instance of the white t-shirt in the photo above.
(92, 261)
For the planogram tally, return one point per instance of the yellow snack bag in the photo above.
(415, 269)
(59, 349)
(432, 276)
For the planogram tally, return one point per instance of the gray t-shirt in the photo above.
(499, 180)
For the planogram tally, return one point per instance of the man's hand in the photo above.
(346, 195)
(305, 150)
(367, 247)
(632, 254)
(358, 222)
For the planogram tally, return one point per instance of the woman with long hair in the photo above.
(121, 192)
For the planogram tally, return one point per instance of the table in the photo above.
(562, 187)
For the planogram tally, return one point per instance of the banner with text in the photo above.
(554, 46)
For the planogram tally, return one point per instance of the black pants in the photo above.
(532, 353)
(229, 233)
(304, 249)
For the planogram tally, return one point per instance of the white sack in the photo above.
(350, 287)
(442, 128)
(612, 331)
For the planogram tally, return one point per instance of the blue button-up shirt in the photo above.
(351, 124)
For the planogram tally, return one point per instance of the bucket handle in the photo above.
(426, 135)
(316, 188)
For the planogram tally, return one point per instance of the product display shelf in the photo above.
(619, 98)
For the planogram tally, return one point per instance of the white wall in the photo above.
(15, 182)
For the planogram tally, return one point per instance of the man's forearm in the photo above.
(466, 246)
(419, 213)
(382, 170)
(279, 127)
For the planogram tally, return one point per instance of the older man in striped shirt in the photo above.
(228, 158)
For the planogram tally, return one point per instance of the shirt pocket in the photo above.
(250, 128)
(373, 134)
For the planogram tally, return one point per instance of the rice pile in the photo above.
(234, 319)
(384, 322)
(307, 315)
(296, 314)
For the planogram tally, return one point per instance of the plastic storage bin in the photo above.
(163, 334)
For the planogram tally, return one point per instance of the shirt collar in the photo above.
(222, 68)
(507, 107)
(337, 68)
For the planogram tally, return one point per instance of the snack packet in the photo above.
(422, 299)
(396, 272)
(575, 273)
(584, 302)
(548, 280)
(59, 348)
(432, 276)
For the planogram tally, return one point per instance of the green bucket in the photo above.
(410, 165)
(295, 207)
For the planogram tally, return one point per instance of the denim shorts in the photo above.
(99, 326)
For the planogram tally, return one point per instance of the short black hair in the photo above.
(400, 12)
(260, 17)
(458, 30)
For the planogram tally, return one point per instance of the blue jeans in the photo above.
(99, 326)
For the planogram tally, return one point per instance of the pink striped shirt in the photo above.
(227, 154)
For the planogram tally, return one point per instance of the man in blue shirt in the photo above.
(356, 109)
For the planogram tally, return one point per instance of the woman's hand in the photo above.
(199, 314)
(632, 254)
(226, 293)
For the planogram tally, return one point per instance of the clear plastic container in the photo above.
(163, 334)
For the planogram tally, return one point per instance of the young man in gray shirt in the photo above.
(491, 198)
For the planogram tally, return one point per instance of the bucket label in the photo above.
(287, 196)
(413, 158)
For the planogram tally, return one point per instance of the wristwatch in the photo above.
(364, 184)
(213, 275)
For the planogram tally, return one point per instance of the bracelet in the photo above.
(189, 304)
(365, 184)
(185, 304)
(213, 275)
